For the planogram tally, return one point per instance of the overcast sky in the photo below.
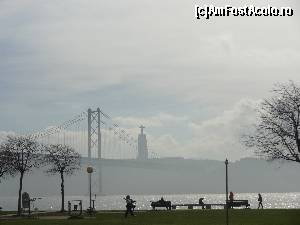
(193, 83)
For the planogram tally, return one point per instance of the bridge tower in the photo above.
(142, 145)
(94, 141)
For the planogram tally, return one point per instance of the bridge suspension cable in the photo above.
(117, 141)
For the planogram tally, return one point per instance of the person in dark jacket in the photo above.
(260, 201)
(129, 205)
(231, 200)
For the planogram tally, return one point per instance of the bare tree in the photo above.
(24, 155)
(276, 135)
(6, 167)
(62, 160)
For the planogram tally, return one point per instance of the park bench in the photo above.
(238, 203)
(189, 206)
(200, 204)
(165, 204)
(192, 206)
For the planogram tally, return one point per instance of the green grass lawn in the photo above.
(179, 217)
(6, 212)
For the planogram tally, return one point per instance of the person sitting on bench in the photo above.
(201, 203)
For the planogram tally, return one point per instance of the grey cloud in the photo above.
(139, 58)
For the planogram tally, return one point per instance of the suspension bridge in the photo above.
(95, 135)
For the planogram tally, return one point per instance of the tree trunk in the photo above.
(20, 194)
(62, 186)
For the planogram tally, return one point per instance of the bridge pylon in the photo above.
(94, 141)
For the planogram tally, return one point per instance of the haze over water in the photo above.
(116, 202)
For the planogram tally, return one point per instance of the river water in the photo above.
(116, 202)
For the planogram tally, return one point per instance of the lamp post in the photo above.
(89, 169)
(226, 166)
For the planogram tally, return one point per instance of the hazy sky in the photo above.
(193, 83)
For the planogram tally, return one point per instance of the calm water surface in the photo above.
(115, 202)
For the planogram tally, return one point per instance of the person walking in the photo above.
(129, 205)
(260, 201)
(231, 200)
